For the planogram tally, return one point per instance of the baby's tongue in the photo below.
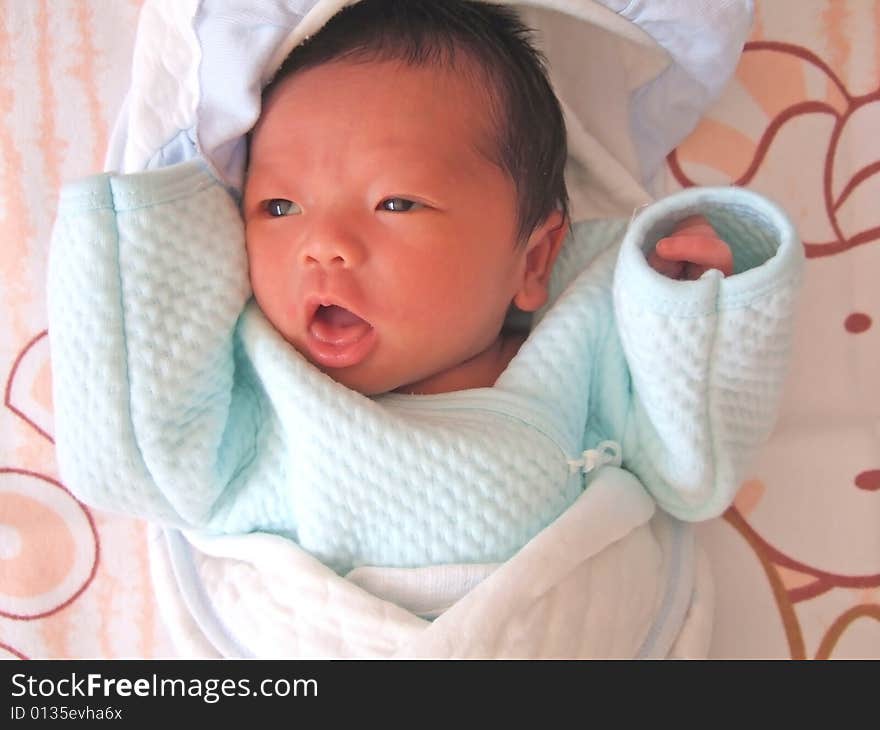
(338, 326)
(338, 316)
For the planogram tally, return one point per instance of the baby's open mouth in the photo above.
(338, 338)
(335, 325)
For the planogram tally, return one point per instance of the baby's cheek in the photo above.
(255, 273)
(426, 286)
(263, 266)
(266, 285)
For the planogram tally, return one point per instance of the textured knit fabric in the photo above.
(177, 401)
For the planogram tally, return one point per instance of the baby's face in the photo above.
(381, 241)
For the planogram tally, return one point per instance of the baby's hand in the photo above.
(691, 250)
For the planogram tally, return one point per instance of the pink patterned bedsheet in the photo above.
(797, 559)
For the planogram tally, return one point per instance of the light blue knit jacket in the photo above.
(176, 400)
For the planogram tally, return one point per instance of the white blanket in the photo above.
(610, 578)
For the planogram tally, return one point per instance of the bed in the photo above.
(797, 557)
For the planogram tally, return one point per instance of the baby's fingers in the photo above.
(672, 269)
(692, 272)
(709, 252)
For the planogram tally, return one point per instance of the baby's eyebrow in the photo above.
(265, 175)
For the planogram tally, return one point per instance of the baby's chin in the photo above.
(370, 382)
(363, 380)
(371, 378)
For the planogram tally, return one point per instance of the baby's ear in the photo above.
(542, 249)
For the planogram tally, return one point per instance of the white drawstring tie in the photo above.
(607, 452)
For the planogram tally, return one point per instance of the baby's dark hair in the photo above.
(530, 140)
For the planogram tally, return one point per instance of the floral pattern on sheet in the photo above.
(73, 583)
(792, 126)
(48, 545)
(837, 184)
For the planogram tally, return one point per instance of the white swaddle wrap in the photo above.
(610, 577)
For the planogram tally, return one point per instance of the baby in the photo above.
(406, 187)
(404, 195)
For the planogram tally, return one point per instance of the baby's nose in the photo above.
(333, 247)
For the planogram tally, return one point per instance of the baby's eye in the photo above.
(398, 205)
(278, 207)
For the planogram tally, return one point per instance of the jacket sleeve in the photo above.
(147, 279)
(695, 369)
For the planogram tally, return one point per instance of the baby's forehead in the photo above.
(455, 88)
(459, 69)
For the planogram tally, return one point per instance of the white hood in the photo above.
(633, 76)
